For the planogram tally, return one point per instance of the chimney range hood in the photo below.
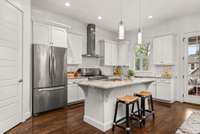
(91, 41)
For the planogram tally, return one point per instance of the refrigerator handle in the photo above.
(50, 66)
(54, 66)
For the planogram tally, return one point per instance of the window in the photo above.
(142, 53)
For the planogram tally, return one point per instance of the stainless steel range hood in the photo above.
(91, 41)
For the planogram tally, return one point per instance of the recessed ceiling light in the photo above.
(150, 17)
(99, 17)
(67, 4)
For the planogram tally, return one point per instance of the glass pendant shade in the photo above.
(139, 36)
(121, 31)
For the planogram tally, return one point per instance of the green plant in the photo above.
(131, 73)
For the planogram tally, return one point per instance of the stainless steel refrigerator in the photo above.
(49, 81)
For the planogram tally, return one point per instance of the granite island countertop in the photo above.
(110, 84)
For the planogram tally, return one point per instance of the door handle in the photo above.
(20, 81)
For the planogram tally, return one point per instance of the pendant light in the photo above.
(139, 37)
(121, 33)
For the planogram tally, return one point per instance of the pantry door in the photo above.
(192, 67)
(10, 65)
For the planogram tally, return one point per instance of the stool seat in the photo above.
(127, 99)
(144, 94)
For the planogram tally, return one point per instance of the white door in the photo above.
(123, 54)
(114, 54)
(10, 66)
(192, 67)
(108, 54)
(41, 34)
(72, 94)
(75, 43)
(59, 37)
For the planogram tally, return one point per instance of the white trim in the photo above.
(97, 124)
(54, 23)
(188, 98)
(26, 116)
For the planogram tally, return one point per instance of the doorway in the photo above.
(192, 67)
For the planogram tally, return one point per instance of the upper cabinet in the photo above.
(75, 44)
(114, 53)
(123, 54)
(164, 50)
(41, 34)
(49, 35)
(59, 37)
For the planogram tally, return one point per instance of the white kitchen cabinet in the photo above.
(49, 35)
(75, 93)
(72, 93)
(152, 89)
(114, 53)
(165, 90)
(75, 43)
(41, 34)
(164, 50)
(59, 37)
(81, 95)
(109, 52)
(123, 54)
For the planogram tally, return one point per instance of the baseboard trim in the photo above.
(97, 124)
(26, 116)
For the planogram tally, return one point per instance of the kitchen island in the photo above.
(100, 99)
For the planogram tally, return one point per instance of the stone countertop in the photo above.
(109, 84)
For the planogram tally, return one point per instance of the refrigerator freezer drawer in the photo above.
(49, 98)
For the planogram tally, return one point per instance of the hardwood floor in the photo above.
(70, 121)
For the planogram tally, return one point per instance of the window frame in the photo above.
(141, 57)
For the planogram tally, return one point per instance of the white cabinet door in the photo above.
(123, 55)
(59, 37)
(168, 56)
(72, 93)
(157, 51)
(108, 54)
(152, 89)
(41, 34)
(114, 51)
(75, 43)
(163, 91)
(81, 95)
(163, 50)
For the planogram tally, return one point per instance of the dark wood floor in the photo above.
(70, 121)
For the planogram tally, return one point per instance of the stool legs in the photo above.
(143, 109)
(139, 113)
(127, 119)
(152, 107)
(115, 116)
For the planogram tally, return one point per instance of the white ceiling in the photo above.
(88, 11)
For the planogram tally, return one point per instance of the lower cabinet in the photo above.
(152, 89)
(75, 93)
(163, 90)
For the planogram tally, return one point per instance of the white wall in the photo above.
(25, 6)
(178, 26)
(80, 28)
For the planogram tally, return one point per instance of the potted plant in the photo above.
(131, 73)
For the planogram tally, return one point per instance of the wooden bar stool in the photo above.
(127, 100)
(146, 112)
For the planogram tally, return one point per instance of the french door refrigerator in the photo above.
(49, 81)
